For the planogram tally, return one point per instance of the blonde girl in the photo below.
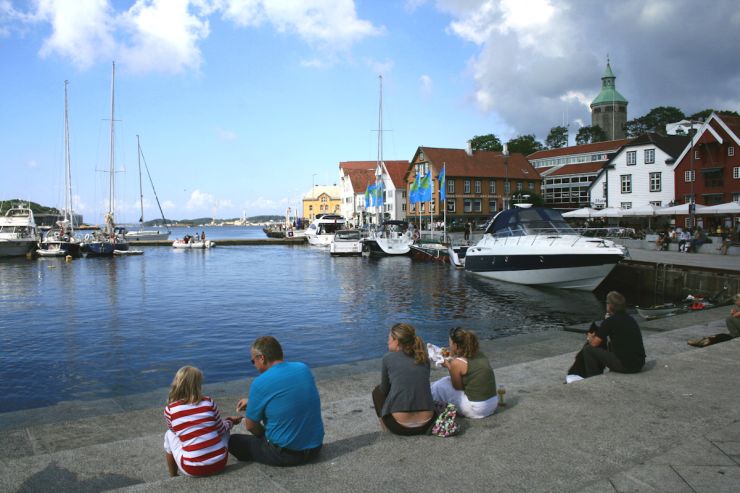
(196, 442)
(403, 400)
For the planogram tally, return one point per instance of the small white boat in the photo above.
(393, 238)
(131, 251)
(193, 243)
(322, 229)
(18, 234)
(53, 250)
(346, 242)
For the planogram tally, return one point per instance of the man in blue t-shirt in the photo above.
(283, 411)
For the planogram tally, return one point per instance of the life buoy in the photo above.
(88, 237)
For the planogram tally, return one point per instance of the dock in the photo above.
(230, 242)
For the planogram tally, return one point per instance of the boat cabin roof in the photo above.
(520, 221)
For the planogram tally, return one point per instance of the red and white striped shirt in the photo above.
(200, 429)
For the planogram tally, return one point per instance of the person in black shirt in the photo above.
(625, 351)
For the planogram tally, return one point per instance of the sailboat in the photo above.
(61, 241)
(104, 242)
(142, 234)
(391, 238)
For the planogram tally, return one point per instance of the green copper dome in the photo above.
(609, 93)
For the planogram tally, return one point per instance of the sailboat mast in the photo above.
(67, 214)
(378, 169)
(141, 188)
(112, 174)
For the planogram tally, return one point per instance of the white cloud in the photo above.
(165, 35)
(168, 205)
(426, 85)
(199, 200)
(539, 59)
(262, 204)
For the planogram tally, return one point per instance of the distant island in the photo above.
(39, 209)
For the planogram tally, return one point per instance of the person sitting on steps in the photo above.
(733, 327)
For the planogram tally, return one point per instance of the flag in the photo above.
(367, 197)
(379, 194)
(442, 184)
(425, 188)
(414, 190)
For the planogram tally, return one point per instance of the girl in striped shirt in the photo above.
(197, 440)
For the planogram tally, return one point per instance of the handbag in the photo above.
(446, 424)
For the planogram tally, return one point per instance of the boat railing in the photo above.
(530, 236)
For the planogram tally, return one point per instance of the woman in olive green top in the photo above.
(471, 385)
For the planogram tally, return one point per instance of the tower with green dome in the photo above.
(609, 108)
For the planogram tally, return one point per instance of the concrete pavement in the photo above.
(673, 427)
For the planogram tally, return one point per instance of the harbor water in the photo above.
(103, 327)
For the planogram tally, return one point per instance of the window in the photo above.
(736, 197)
(655, 182)
(520, 185)
(713, 179)
(324, 198)
(626, 205)
(450, 186)
(477, 186)
(492, 205)
(403, 194)
(688, 199)
(431, 206)
(689, 176)
(531, 186)
(466, 188)
(507, 187)
(626, 181)
(477, 205)
(697, 155)
(649, 156)
(403, 206)
(467, 205)
(631, 158)
(492, 186)
(731, 151)
(656, 203)
(604, 190)
(736, 173)
(450, 205)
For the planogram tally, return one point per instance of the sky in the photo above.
(242, 106)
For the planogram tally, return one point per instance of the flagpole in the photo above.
(431, 201)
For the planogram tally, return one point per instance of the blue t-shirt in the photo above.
(286, 401)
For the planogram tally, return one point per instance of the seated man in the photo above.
(283, 411)
(625, 353)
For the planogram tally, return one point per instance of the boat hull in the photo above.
(569, 271)
(103, 248)
(72, 248)
(430, 253)
(15, 248)
(346, 248)
(320, 240)
(381, 247)
(193, 245)
(147, 235)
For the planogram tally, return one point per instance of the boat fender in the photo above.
(697, 306)
(88, 237)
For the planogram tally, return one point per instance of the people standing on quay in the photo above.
(467, 231)
(471, 385)
(403, 400)
(282, 412)
(626, 352)
(196, 442)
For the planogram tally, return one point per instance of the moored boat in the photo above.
(430, 252)
(535, 246)
(346, 242)
(193, 242)
(147, 234)
(393, 238)
(321, 231)
(18, 233)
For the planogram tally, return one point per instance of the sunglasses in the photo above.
(257, 356)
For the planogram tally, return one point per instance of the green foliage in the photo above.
(589, 135)
(654, 121)
(558, 137)
(527, 197)
(36, 208)
(524, 144)
(487, 142)
(703, 115)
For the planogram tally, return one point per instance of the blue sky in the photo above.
(239, 103)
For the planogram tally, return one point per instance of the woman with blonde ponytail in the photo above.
(403, 400)
(471, 385)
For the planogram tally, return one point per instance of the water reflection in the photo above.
(101, 327)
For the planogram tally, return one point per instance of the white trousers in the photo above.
(442, 390)
(173, 445)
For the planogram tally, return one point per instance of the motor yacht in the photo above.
(321, 231)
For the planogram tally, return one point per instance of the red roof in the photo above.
(485, 164)
(609, 145)
(397, 171)
(732, 122)
(577, 169)
(358, 164)
(360, 178)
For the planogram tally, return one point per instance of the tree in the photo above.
(558, 137)
(527, 197)
(589, 135)
(703, 115)
(654, 121)
(525, 144)
(488, 142)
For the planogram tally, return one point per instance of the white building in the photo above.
(356, 176)
(640, 173)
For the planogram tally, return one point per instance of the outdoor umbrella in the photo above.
(648, 210)
(728, 208)
(584, 212)
(609, 212)
(679, 210)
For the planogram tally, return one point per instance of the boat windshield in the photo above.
(531, 221)
(348, 235)
(329, 228)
